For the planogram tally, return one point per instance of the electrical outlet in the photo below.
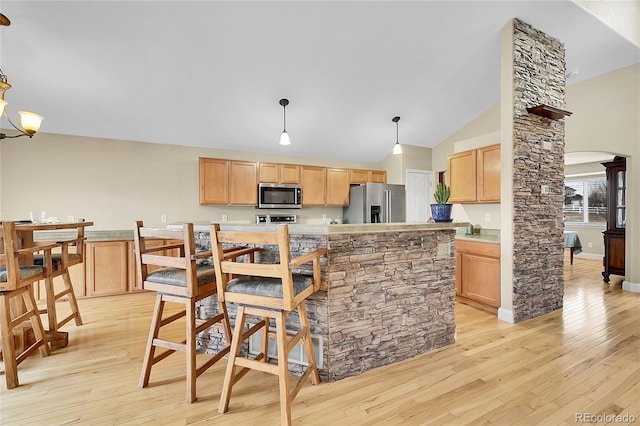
(544, 189)
(590, 244)
(163, 218)
(225, 217)
(546, 145)
(71, 219)
(487, 217)
(324, 216)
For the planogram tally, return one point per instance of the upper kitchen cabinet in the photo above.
(243, 183)
(488, 174)
(474, 176)
(228, 182)
(214, 181)
(338, 187)
(462, 177)
(314, 185)
(368, 176)
(279, 173)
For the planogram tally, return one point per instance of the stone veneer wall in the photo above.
(539, 78)
(391, 297)
(384, 297)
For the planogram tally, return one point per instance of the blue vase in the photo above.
(441, 212)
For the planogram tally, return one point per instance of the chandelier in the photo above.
(29, 121)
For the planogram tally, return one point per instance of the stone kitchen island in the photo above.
(387, 293)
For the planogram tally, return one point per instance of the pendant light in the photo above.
(29, 121)
(284, 136)
(397, 148)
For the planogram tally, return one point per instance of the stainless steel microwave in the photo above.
(279, 196)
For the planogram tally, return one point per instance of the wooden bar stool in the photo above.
(180, 279)
(270, 291)
(17, 302)
(61, 262)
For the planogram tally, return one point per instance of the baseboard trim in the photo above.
(506, 315)
(631, 287)
(592, 256)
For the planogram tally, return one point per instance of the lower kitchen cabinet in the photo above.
(478, 272)
(107, 267)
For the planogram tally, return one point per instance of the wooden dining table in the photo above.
(27, 234)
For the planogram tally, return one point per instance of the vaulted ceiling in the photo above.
(210, 73)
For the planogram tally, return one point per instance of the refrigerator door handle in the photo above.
(387, 206)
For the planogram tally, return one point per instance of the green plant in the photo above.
(442, 194)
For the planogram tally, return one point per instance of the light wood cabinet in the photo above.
(228, 182)
(367, 176)
(107, 267)
(233, 182)
(338, 187)
(214, 181)
(279, 173)
(243, 183)
(314, 185)
(377, 176)
(488, 181)
(474, 176)
(478, 272)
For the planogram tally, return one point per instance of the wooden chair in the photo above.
(269, 291)
(16, 279)
(61, 262)
(179, 279)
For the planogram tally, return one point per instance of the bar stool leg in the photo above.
(283, 368)
(51, 303)
(229, 376)
(72, 297)
(149, 352)
(308, 344)
(8, 349)
(36, 322)
(191, 350)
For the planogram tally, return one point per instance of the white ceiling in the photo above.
(210, 73)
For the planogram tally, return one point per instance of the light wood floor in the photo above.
(583, 358)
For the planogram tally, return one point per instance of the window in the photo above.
(585, 200)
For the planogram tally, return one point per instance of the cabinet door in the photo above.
(377, 176)
(269, 173)
(481, 279)
(314, 185)
(243, 183)
(338, 187)
(289, 173)
(359, 176)
(462, 177)
(489, 173)
(279, 173)
(107, 267)
(214, 181)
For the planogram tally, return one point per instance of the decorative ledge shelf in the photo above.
(549, 112)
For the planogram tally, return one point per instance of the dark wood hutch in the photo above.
(616, 217)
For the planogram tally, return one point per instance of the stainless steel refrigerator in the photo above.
(375, 203)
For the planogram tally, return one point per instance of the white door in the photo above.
(418, 189)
